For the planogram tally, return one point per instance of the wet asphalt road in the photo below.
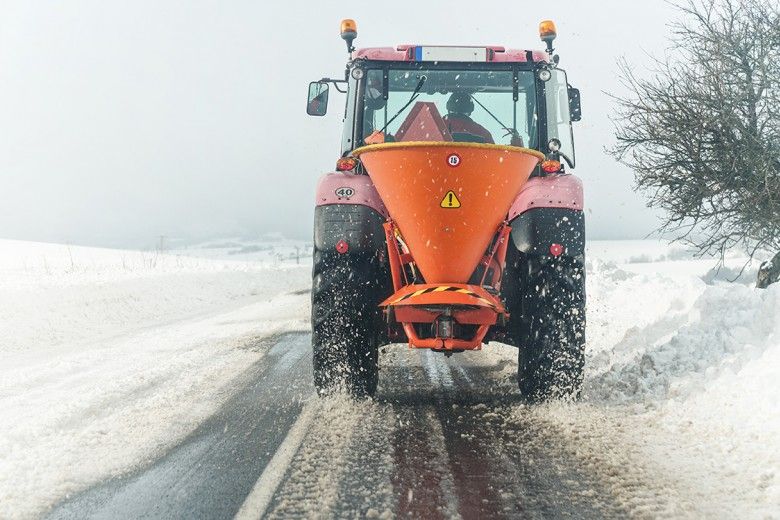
(444, 438)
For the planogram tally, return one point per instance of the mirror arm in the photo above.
(335, 83)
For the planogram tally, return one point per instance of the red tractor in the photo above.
(451, 219)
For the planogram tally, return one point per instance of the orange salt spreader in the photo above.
(447, 234)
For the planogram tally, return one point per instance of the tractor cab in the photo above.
(457, 94)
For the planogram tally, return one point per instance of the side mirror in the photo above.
(318, 99)
(575, 108)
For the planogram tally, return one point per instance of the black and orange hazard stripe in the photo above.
(445, 288)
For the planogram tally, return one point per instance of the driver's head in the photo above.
(460, 103)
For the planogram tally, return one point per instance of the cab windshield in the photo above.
(481, 106)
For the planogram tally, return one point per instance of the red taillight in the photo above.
(342, 246)
(556, 250)
(551, 166)
(346, 164)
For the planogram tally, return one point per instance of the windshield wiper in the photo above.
(414, 96)
(512, 130)
(491, 114)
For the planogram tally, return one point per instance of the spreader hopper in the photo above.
(447, 203)
(448, 199)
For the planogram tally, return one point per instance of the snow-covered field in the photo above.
(108, 358)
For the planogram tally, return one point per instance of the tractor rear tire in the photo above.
(550, 328)
(346, 321)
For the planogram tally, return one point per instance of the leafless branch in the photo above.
(702, 132)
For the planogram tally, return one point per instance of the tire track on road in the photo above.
(444, 438)
(422, 483)
(528, 465)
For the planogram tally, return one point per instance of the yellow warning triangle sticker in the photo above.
(450, 200)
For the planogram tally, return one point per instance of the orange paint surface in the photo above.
(414, 179)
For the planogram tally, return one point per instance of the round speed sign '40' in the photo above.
(345, 192)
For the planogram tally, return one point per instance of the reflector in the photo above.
(550, 166)
(346, 163)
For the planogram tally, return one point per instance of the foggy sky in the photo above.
(123, 121)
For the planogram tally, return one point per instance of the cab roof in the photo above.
(452, 53)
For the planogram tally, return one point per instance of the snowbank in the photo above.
(683, 386)
(680, 415)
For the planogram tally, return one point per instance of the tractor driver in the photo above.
(459, 122)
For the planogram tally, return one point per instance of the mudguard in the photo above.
(534, 231)
(348, 209)
(549, 210)
(349, 212)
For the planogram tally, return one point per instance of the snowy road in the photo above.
(163, 386)
(440, 441)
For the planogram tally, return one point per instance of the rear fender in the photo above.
(553, 191)
(349, 189)
(549, 210)
(348, 208)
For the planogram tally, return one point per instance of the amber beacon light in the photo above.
(546, 30)
(547, 33)
(349, 32)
